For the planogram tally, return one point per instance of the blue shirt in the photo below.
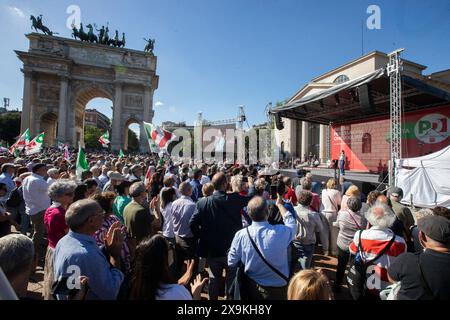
(196, 190)
(273, 242)
(182, 211)
(9, 182)
(76, 249)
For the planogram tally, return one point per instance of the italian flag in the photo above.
(157, 137)
(35, 145)
(23, 141)
(82, 164)
(104, 140)
(121, 154)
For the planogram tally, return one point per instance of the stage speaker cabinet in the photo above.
(365, 99)
(279, 122)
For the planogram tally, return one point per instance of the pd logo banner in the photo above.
(432, 128)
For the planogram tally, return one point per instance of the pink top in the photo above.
(56, 225)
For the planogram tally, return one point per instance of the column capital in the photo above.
(27, 72)
(64, 77)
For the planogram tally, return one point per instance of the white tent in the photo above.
(426, 179)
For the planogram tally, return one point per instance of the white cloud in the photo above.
(159, 104)
(17, 12)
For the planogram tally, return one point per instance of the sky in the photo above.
(215, 55)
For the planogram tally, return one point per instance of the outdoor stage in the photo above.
(363, 180)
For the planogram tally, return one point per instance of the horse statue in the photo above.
(150, 45)
(91, 36)
(121, 44)
(37, 24)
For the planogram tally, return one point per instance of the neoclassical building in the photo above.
(62, 75)
(299, 138)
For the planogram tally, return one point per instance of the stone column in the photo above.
(25, 122)
(116, 141)
(323, 144)
(147, 117)
(305, 140)
(62, 111)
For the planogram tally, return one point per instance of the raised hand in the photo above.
(184, 280)
(114, 240)
(197, 286)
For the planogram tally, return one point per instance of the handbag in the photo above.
(265, 261)
(357, 272)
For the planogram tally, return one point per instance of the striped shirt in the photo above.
(373, 241)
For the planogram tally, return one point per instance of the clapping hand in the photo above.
(197, 286)
(184, 280)
(114, 240)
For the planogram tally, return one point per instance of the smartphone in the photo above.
(273, 191)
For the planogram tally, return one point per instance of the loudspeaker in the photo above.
(279, 122)
(365, 99)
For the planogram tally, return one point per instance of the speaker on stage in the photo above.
(365, 99)
(279, 122)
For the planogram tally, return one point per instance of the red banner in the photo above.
(367, 147)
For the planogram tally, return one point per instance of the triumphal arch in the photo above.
(62, 75)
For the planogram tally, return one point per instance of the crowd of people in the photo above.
(148, 228)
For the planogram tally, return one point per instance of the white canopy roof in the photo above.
(439, 159)
(426, 179)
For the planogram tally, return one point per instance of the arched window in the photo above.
(367, 143)
(341, 79)
(282, 147)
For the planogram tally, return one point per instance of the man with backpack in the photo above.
(375, 250)
(262, 249)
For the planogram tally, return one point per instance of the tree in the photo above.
(133, 142)
(9, 127)
(91, 136)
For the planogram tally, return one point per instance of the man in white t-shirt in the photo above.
(36, 199)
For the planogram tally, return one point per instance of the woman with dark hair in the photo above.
(123, 198)
(105, 200)
(156, 183)
(152, 279)
(81, 192)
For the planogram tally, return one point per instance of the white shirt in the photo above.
(331, 199)
(173, 292)
(204, 180)
(50, 181)
(35, 194)
(167, 229)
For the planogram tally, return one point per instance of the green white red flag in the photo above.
(35, 145)
(157, 137)
(21, 143)
(104, 140)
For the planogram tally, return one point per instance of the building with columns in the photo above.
(62, 75)
(300, 138)
(348, 108)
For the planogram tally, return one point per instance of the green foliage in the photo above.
(91, 136)
(133, 142)
(9, 127)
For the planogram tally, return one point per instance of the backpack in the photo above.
(15, 198)
(357, 272)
